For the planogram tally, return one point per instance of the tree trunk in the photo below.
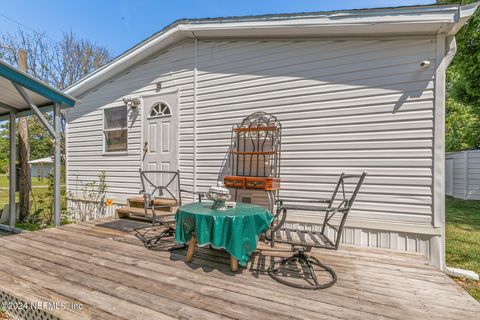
(24, 153)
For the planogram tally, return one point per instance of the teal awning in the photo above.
(41, 93)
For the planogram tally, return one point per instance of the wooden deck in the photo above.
(113, 276)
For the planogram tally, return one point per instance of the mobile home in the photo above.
(360, 90)
(41, 168)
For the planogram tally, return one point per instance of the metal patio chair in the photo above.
(302, 241)
(161, 197)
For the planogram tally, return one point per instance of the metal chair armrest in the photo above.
(146, 195)
(192, 192)
(200, 195)
(281, 201)
(310, 208)
(303, 207)
(197, 193)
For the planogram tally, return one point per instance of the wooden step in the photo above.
(138, 202)
(126, 212)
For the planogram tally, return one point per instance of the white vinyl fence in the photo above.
(462, 174)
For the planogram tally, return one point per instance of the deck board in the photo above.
(114, 277)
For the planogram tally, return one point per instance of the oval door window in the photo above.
(160, 109)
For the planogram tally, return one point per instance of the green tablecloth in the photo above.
(236, 230)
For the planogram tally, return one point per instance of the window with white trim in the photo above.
(115, 129)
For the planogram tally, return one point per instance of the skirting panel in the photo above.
(78, 210)
(18, 309)
(371, 238)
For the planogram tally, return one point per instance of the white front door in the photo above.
(160, 132)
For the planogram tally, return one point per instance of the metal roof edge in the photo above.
(464, 14)
(41, 160)
(469, 9)
(35, 85)
(334, 13)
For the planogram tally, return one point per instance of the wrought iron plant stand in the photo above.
(254, 156)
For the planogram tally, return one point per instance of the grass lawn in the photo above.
(39, 189)
(35, 181)
(463, 240)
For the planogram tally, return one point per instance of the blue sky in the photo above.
(120, 24)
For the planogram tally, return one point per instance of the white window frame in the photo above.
(104, 136)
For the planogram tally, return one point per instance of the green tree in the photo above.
(463, 87)
(41, 143)
(4, 148)
(59, 64)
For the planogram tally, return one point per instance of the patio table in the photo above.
(235, 230)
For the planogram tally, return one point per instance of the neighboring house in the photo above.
(41, 168)
(354, 90)
(462, 174)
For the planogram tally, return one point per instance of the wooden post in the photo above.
(24, 152)
(233, 264)
(12, 173)
(22, 60)
(191, 248)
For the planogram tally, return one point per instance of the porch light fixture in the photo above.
(133, 103)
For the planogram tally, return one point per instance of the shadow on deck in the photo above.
(86, 271)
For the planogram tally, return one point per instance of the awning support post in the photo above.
(35, 109)
(13, 170)
(55, 132)
(57, 166)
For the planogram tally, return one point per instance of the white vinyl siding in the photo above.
(345, 105)
(85, 123)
